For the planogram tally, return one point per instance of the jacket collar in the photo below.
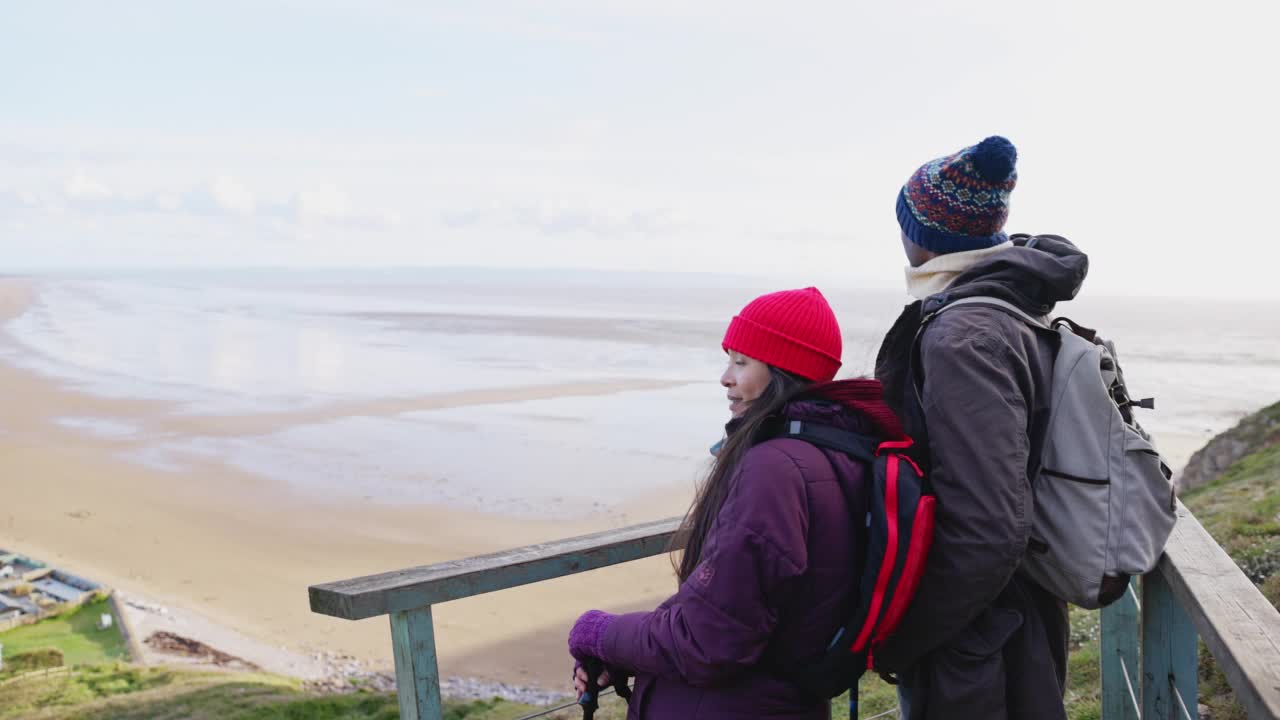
(1035, 274)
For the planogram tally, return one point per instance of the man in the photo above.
(980, 640)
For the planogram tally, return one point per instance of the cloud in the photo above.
(11, 201)
(78, 193)
(231, 195)
(40, 154)
(329, 204)
(89, 196)
(808, 236)
(222, 196)
(319, 205)
(323, 203)
(654, 222)
(24, 156)
(82, 187)
(167, 202)
(223, 199)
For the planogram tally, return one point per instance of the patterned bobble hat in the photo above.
(960, 202)
(793, 330)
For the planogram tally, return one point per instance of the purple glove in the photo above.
(586, 639)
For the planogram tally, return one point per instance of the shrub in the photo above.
(37, 659)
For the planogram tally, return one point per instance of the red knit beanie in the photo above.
(792, 330)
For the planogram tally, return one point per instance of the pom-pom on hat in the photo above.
(960, 202)
(792, 330)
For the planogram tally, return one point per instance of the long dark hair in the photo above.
(783, 387)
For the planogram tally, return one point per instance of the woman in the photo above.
(772, 540)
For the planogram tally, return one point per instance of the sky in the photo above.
(705, 136)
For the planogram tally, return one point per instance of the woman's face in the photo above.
(745, 378)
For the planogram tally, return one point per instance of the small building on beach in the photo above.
(59, 591)
(12, 612)
(18, 567)
(30, 590)
(22, 604)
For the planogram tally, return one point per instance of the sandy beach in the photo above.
(240, 551)
(237, 552)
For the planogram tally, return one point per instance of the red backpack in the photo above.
(899, 522)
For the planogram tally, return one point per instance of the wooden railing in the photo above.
(407, 596)
(1148, 647)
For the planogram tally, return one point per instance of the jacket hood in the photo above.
(1036, 273)
(857, 405)
(849, 404)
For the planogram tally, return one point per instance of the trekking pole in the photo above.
(621, 687)
(590, 698)
(556, 709)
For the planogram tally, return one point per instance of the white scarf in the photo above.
(936, 275)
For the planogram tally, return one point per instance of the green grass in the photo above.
(38, 659)
(1084, 691)
(874, 697)
(121, 691)
(1241, 510)
(74, 634)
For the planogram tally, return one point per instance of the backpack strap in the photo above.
(1041, 321)
(825, 436)
(859, 447)
(915, 369)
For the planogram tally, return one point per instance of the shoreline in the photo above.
(239, 551)
(232, 553)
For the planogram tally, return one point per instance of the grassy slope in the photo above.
(1241, 509)
(74, 634)
(128, 692)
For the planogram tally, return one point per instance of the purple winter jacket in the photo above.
(778, 576)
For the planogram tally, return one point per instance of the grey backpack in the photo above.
(1104, 503)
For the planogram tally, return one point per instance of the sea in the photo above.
(546, 393)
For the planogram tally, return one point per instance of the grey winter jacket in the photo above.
(980, 640)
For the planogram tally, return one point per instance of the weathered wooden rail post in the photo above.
(1119, 647)
(413, 642)
(1169, 653)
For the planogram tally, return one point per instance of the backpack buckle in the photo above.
(894, 445)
